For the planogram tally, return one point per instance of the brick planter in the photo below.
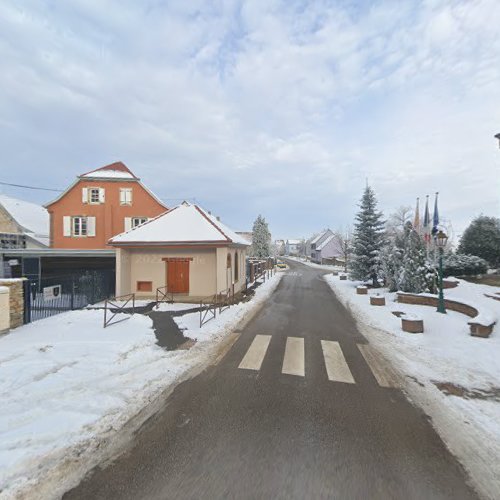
(477, 330)
(343, 277)
(362, 290)
(377, 300)
(412, 325)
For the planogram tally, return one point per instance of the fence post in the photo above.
(27, 301)
(72, 300)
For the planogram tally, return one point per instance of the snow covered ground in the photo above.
(466, 410)
(67, 386)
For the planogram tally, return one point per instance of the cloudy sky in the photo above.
(276, 107)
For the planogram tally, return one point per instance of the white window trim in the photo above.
(126, 196)
(134, 219)
(90, 226)
(73, 232)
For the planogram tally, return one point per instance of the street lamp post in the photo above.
(441, 239)
(497, 136)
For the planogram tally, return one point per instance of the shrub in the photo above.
(464, 265)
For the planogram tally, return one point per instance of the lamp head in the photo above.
(441, 239)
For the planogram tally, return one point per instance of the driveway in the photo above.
(300, 407)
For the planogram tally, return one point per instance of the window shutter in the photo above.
(67, 225)
(85, 195)
(129, 196)
(90, 226)
(122, 196)
(128, 223)
(101, 195)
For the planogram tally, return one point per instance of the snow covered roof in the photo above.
(113, 171)
(117, 170)
(33, 218)
(320, 236)
(325, 242)
(185, 223)
(293, 242)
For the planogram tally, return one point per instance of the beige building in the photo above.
(186, 250)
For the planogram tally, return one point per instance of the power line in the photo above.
(61, 190)
(30, 187)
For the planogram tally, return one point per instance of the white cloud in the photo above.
(280, 107)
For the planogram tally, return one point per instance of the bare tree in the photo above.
(398, 220)
(343, 240)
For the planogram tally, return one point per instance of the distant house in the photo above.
(308, 243)
(99, 205)
(22, 224)
(187, 250)
(324, 247)
(292, 247)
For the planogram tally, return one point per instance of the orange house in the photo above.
(99, 205)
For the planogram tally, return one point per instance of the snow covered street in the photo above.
(66, 384)
(453, 376)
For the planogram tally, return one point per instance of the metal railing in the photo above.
(225, 299)
(117, 308)
(208, 309)
(163, 295)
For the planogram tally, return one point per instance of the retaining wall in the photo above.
(16, 300)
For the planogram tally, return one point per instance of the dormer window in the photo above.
(94, 196)
(125, 196)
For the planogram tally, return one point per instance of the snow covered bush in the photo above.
(413, 273)
(482, 238)
(391, 261)
(404, 265)
(464, 265)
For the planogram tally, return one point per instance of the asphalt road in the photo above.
(282, 428)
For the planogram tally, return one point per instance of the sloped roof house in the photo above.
(23, 224)
(185, 251)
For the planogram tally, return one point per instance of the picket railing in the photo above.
(115, 308)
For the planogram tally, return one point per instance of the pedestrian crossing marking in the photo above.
(293, 362)
(384, 375)
(255, 355)
(336, 365)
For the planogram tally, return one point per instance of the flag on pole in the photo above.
(435, 218)
(416, 221)
(427, 222)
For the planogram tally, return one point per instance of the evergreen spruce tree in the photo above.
(413, 274)
(261, 240)
(482, 239)
(368, 239)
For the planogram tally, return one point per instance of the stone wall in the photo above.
(4, 309)
(16, 300)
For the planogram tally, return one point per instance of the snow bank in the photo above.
(445, 354)
(67, 385)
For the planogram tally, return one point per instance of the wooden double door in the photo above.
(177, 275)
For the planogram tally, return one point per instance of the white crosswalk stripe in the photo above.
(293, 362)
(385, 376)
(255, 355)
(336, 365)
